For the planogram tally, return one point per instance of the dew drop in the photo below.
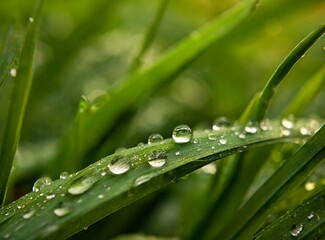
(103, 173)
(306, 131)
(142, 179)
(266, 125)
(242, 135)
(41, 183)
(209, 169)
(81, 186)
(13, 72)
(64, 175)
(50, 196)
(242, 149)
(223, 140)
(251, 127)
(309, 186)
(30, 19)
(155, 137)
(212, 136)
(62, 211)
(220, 123)
(177, 153)
(296, 230)
(119, 166)
(310, 216)
(285, 131)
(100, 196)
(157, 158)
(288, 122)
(182, 134)
(29, 214)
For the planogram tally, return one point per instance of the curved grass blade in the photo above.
(283, 69)
(18, 100)
(150, 35)
(303, 222)
(292, 173)
(307, 93)
(139, 87)
(68, 205)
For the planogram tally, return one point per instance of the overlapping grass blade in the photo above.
(140, 86)
(18, 100)
(68, 205)
(292, 173)
(306, 221)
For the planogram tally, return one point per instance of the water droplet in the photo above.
(309, 186)
(251, 127)
(242, 135)
(62, 210)
(119, 166)
(288, 122)
(157, 158)
(7, 236)
(306, 131)
(220, 123)
(120, 149)
(29, 214)
(41, 183)
(210, 168)
(80, 186)
(242, 149)
(64, 175)
(155, 137)
(296, 230)
(177, 153)
(266, 125)
(212, 136)
(142, 179)
(182, 134)
(223, 140)
(310, 216)
(30, 19)
(50, 196)
(285, 131)
(13, 72)
(100, 196)
(103, 173)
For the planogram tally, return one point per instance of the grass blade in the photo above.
(139, 87)
(309, 216)
(290, 174)
(68, 205)
(18, 100)
(269, 90)
(307, 93)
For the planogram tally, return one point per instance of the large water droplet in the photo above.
(157, 158)
(62, 211)
(220, 123)
(288, 122)
(119, 166)
(296, 230)
(13, 72)
(309, 186)
(223, 140)
(182, 134)
(29, 214)
(306, 131)
(155, 137)
(251, 127)
(210, 168)
(64, 175)
(81, 186)
(41, 183)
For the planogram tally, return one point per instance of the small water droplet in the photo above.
(310, 216)
(251, 127)
(142, 179)
(266, 125)
(157, 158)
(100, 196)
(62, 210)
(29, 214)
(64, 175)
(50, 196)
(296, 230)
(220, 123)
(119, 166)
(120, 149)
(41, 183)
(306, 131)
(13, 72)
(103, 173)
(210, 168)
(212, 136)
(182, 134)
(30, 19)
(81, 186)
(288, 122)
(155, 137)
(242, 135)
(309, 186)
(223, 140)
(177, 153)
(285, 131)
(242, 149)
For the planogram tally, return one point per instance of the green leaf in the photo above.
(292, 173)
(140, 86)
(68, 205)
(304, 222)
(18, 100)
(283, 69)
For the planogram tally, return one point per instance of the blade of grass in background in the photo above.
(66, 206)
(139, 87)
(307, 93)
(303, 222)
(150, 35)
(18, 99)
(235, 182)
(291, 174)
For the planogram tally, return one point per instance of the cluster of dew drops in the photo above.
(182, 134)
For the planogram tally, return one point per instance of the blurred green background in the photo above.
(86, 47)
